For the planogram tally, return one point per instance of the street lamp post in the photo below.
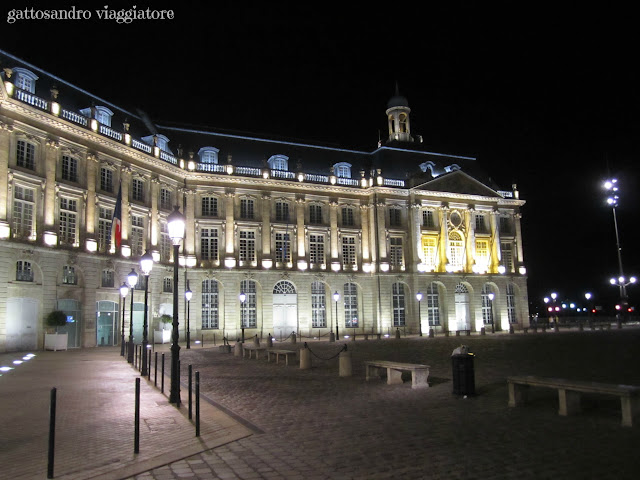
(243, 298)
(146, 264)
(553, 309)
(336, 297)
(419, 298)
(187, 295)
(124, 291)
(132, 280)
(623, 283)
(491, 296)
(176, 233)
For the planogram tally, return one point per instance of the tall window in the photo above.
(395, 217)
(505, 225)
(209, 244)
(247, 249)
(23, 206)
(430, 252)
(167, 284)
(68, 221)
(316, 249)
(506, 249)
(350, 305)
(137, 235)
(166, 246)
(428, 219)
(246, 208)
(107, 279)
(456, 250)
(398, 305)
(511, 304)
(106, 179)
(433, 304)
(318, 305)
(487, 307)
(165, 199)
(248, 309)
(105, 217)
(137, 189)
(69, 275)
(348, 251)
(315, 214)
(69, 168)
(348, 218)
(283, 248)
(209, 304)
(209, 207)
(282, 211)
(482, 253)
(396, 256)
(481, 225)
(25, 155)
(24, 273)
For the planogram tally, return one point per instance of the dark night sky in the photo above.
(545, 98)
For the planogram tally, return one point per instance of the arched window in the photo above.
(318, 305)
(398, 305)
(342, 170)
(210, 304)
(248, 308)
(278, 162)
(208, 155)
(456, 250)
(433, 304)
(284, 287)
(25, 79)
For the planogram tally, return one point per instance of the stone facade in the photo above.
(288, 237)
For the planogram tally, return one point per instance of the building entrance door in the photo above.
(22, 324)
(285, 309)
(463, 315)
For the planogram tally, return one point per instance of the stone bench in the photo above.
(277, 353)
(248, 348)
(569, 394)
(419, 373)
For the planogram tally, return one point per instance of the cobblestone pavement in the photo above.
(314, 424)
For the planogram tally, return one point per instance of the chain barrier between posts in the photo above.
(343, 349)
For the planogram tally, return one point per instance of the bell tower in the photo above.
(398, 116)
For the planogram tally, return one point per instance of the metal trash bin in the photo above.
(463, 372)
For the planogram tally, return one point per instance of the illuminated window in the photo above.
(283, 247)
(318, 305)
(316, 249)
(430, 251)
(209, 244)
(247, 251)
(278, 162)
(511, 304)
(487, 307)
(209, 304)
(342, 169)
(348, 251)
(433, 304)
(248, 308)
(166, 245)
(68, 219)
(101, 114)
(428, 219)
(456, 250)
(398, 305)
(350, 305)
(22, 217)
(482, 253)
(24, 79)
(396, 258)
(208, 155)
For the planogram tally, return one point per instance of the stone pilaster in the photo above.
(300, 233)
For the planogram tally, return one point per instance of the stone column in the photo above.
(444, 238)
(516, 218)
(495, 242)
(5, 149)
(470, 250)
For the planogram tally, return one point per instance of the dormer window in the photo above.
(342, 170)
(208, 155)
(101, 114)
(25, 80)
(279, 162)
(161, 142)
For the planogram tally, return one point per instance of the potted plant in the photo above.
(55, 341)
(163, 335)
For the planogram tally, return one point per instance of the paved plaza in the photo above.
(266, 421)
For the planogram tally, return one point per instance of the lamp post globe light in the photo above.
(553, 309)
(419, 298)
(336, 297)
(243, 298)
(187, 295)
(132, 280)
(124, 291)
(623, 282)
(146, 264)
(175, 224)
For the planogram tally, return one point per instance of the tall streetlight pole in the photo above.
(176, 232)
(124, 291)
(187, 295)
(146, 264)
(132, 280)
(336, 297)
(419, 298)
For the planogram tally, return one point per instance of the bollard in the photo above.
(197, 404)
(432, 333)
(155, 370)
(136, 435)
(149, 367)
(305, 358)
(269, 341)
(52, 432)
(332, 337)
(293, 337)
(397, 334)
(482, 331)
(190, 388)
(256, 341)
(345, 363)
(366, 336)
(162, 376)
(237, 349)
(510, 329)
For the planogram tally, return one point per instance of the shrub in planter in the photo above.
(56, 319)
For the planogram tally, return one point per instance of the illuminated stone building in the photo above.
(288, 224)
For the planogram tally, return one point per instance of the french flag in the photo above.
(116, 224)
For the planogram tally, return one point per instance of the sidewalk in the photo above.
(95, 418)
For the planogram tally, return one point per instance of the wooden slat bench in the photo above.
(278, 353)
(419, 373)
(569, 394)
(248, 348)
